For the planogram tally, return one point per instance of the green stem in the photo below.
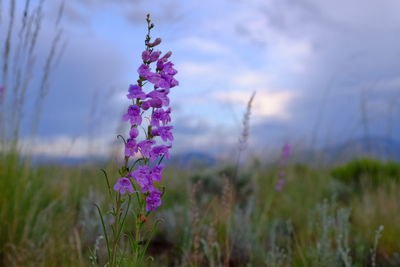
(116, 231)
(104, 230)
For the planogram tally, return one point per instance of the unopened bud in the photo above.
(157, 41)
(168, 54)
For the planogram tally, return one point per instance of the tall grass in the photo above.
(20, 65)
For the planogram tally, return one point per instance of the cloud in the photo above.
(134, 11)
(166, 11)
(241, 76)
(67, 146)
(250, 78)
(329, 51)
(265, 104)
(215, 140)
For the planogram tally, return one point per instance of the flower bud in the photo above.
(133, 133)
(157, 41)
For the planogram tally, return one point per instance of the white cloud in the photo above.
(240, 85)
(265, 104)
(240, 76)
(250, 78)
(66, 146)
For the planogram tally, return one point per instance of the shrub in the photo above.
(367, 171)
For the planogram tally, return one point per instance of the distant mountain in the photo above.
(193, 158)
(376, 147)
(189, 159)
(66, 161)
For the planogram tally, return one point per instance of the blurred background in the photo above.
(307, 175)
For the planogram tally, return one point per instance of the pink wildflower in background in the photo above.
(284, 156)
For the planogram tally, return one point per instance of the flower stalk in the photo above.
(145, 150)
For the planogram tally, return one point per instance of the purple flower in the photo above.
(160, 95)
(159, 80)
(160, 63)
(160, 115)
(145, 105)
(161, 150)
(286, 151)
(149, 57)
(123, 186)
(164, 132)
(172, 82)
(166, 117)
(145, 147)
(162, 60)
(167, 81)
(284, 156)
(134, 132)
(155, 103)
(156, 172)
(145, 72)
(145, 55)
(167, 73)
(153, 200)
(131, 147)
(154, 56)
(164, 79)
(142, 176)
(133, 115)
(158, 71)
(156, 117)
(135, 91)
(278, 188)
(168, 69)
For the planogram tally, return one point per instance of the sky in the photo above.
(321, 70)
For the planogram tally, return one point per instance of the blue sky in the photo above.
(312, 64)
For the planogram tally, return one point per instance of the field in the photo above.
(320, 217)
